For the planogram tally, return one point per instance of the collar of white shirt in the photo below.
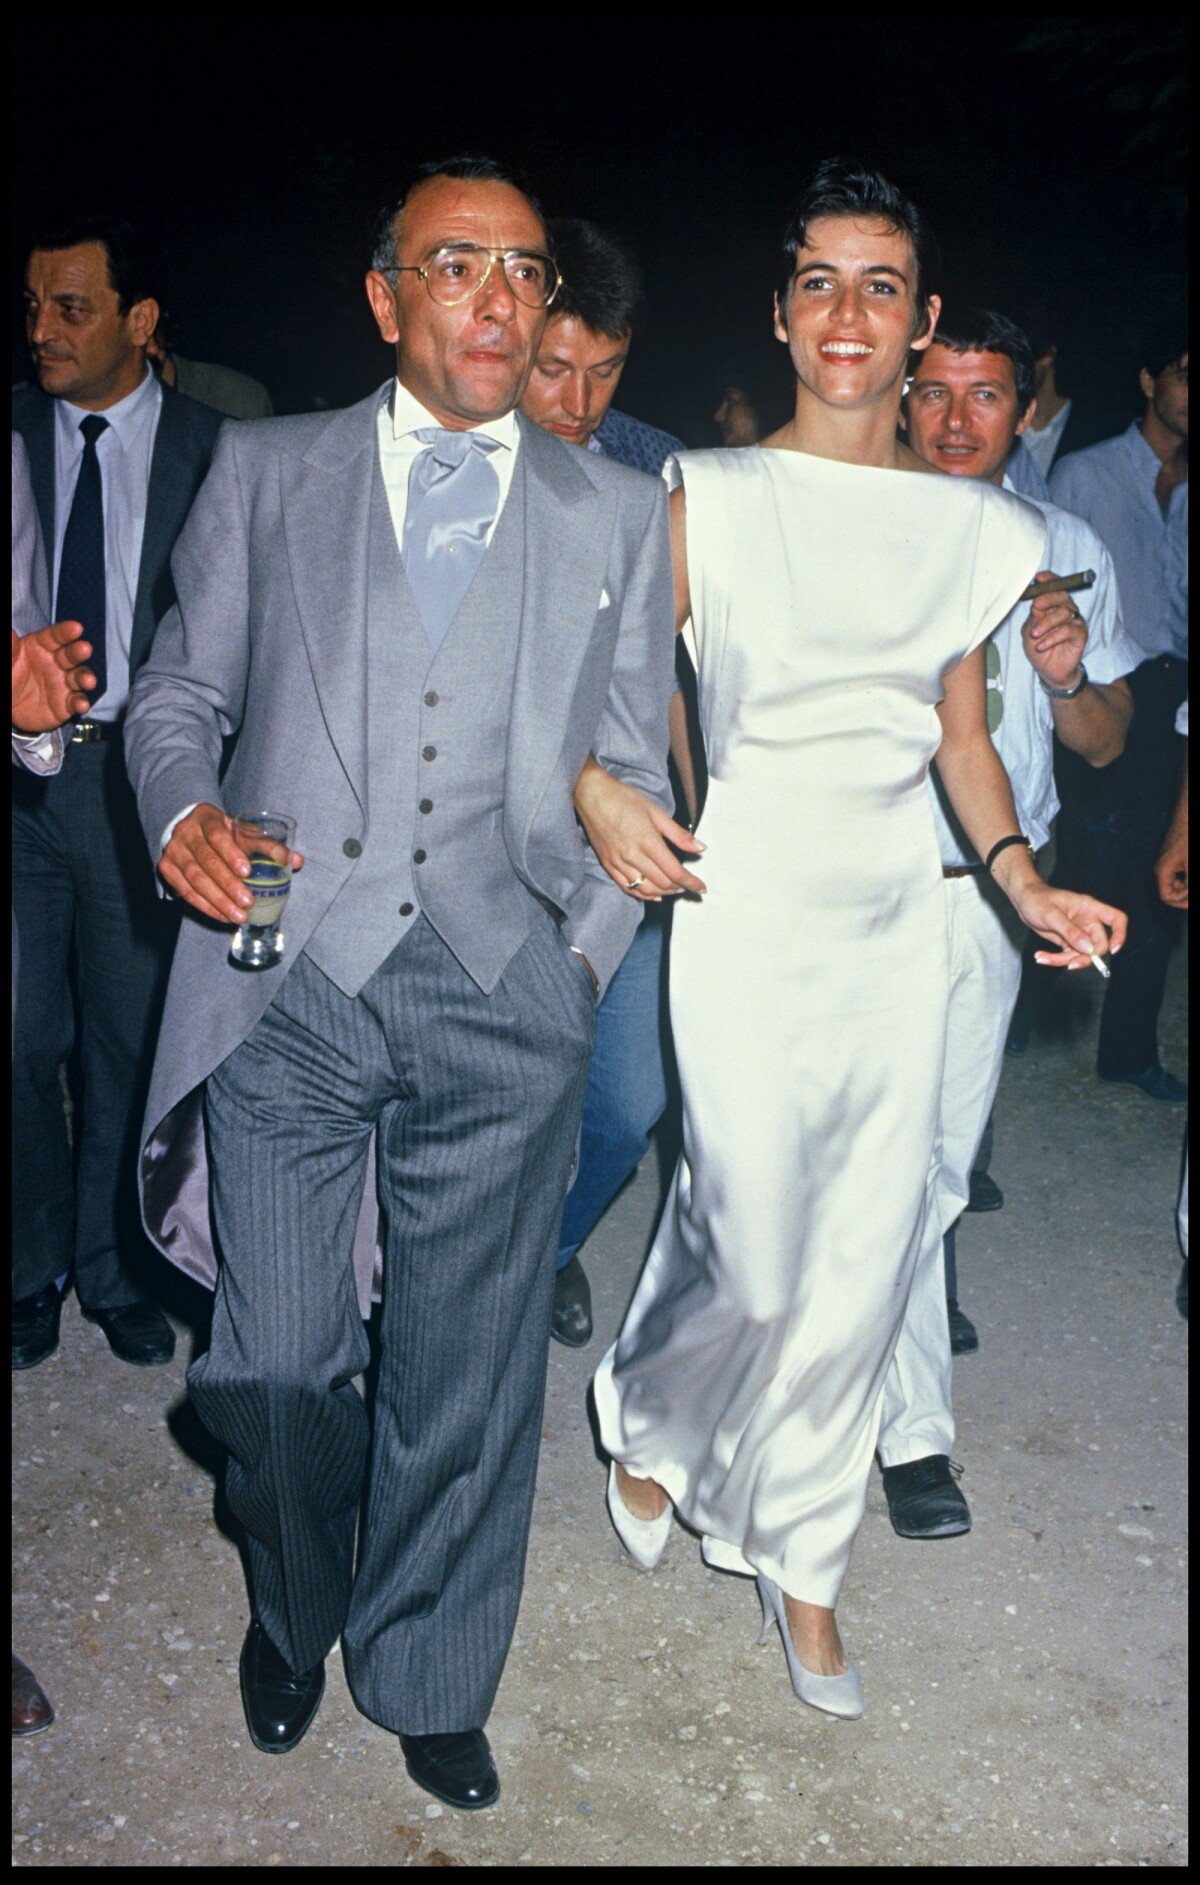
(126, 418)
(409, 415)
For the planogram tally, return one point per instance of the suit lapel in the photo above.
(568, 528)
(326, 501)
(38, 433)
(176, 472)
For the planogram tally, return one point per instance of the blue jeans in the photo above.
(626, 1089)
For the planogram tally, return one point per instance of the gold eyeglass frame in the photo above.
(493, 255)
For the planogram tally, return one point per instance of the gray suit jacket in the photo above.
(268, 644)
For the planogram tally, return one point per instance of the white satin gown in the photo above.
(808, 993)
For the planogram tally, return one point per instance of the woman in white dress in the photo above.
(839, 596)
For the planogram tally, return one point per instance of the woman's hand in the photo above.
(1078, 925)
(631, 837)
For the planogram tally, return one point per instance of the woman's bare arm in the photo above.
(979, 790)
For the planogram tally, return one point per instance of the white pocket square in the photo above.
(605, 600)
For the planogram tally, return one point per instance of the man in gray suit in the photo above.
(417, 617)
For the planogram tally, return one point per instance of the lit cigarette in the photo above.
(1099, 963)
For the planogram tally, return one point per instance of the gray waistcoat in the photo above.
(437, 737)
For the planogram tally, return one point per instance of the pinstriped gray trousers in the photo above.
(477, 1099)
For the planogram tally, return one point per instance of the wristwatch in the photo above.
(1066, 693)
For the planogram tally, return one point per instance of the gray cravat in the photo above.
(453, 492)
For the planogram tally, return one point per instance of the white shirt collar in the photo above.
(126, 418)
(409, 415)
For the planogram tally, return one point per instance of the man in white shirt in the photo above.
(1133, 490)
(114, 460)
(970, 395)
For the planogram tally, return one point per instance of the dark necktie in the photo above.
(81, 566)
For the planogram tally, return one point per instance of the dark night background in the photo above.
(1048, 153)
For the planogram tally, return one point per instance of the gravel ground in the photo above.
(1025, 1685)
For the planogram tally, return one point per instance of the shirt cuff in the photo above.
(169, 831)
(39, 749)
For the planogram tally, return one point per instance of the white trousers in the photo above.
(985, 974)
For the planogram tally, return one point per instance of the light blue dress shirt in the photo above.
(1024, 738)
(1112, 486)
(125, 452)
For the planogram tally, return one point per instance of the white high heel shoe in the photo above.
(645, 1539)
(835, 1695)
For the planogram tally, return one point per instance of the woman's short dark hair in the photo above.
(129, 272)
(982, 330)
(465, 169)
(601, 281)
(838, 187)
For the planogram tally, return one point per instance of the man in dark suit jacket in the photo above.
(115, 460)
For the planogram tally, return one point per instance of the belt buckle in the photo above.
(85, 732)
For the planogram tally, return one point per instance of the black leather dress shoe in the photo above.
(31, 1710)
(279, 1705)
(35, 1322)
(964, 1336)
(571, 1317)
(1155, 1082)
(986, 1194)
(924, 1501)
(457, 1768)
(139, 1333)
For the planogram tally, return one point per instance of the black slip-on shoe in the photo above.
(923, 1500)
(457, 1768)
(137, 1332)
(571, 1317)
(986, 1194)
(964, 1336)
(279, 1704)
(35, 1321)
(1155, 1082)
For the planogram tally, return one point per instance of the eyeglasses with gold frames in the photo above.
(460, 270)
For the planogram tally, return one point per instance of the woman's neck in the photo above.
(864, 435)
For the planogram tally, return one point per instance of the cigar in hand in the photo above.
(1058, 585)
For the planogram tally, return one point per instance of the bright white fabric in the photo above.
(400, 417)
(125, 453)
(985, 938)
(1025, 736)
(808, 992)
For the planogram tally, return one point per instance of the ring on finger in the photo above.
(634, 882)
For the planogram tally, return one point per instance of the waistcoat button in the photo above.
(352, 848)
(429, 752)
(418, 857)
(406, 909)
(426, 805)
(431, 700)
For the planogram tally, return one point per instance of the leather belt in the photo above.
(85, 732)
(961, 870)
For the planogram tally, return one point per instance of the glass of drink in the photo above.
(268, 840)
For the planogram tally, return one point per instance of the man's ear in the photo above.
(1147, 382)
(1026, 417)
(383, 306)
(142, 318)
